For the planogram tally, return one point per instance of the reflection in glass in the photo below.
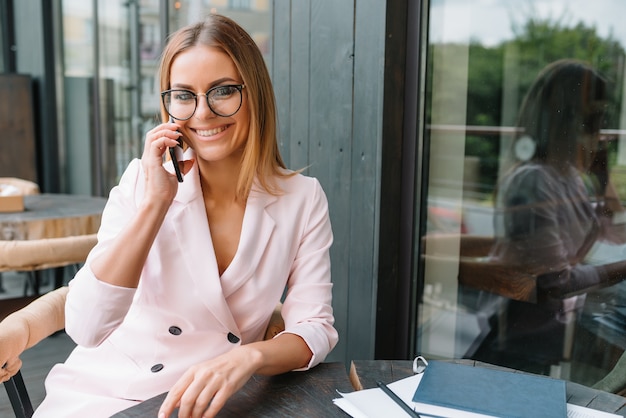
(483, 59)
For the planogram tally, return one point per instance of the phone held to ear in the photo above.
(176, 155)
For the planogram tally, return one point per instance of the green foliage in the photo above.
(536, 43)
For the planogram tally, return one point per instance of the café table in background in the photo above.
(53, 216)
(50, 216)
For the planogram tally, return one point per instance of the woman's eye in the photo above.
(183, 96)
(223, 92)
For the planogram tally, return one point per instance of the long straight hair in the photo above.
(261, 157)
(564, 103)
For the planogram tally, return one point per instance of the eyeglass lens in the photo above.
(222, 100)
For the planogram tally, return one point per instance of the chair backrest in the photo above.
(28, 255)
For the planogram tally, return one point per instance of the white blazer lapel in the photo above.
(255, 234)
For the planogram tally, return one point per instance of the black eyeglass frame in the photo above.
(239, 88)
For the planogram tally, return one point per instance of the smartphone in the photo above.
(176, 155)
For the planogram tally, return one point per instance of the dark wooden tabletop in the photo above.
(53, 216)
(294, 394)
(365, 373)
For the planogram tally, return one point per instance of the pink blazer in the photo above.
(135, 343)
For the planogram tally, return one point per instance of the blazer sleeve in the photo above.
(94, 309)
(307, 308)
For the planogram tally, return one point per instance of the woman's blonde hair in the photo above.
(261, 157)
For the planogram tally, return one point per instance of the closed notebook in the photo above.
(491, 392)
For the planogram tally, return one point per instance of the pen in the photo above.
(397, 400)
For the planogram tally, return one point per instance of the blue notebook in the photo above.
(491, 392)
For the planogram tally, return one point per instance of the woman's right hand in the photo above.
(161, 185)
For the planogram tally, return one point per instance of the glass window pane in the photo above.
(253, 15)
(119, 44)
(525, 232)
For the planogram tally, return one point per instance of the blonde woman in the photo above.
(179, 290)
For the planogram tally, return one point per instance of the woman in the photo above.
(552, 206)
(178, 291)
(548, 216)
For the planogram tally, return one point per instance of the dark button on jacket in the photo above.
(156, 368)
(174, 330)
(233, 338)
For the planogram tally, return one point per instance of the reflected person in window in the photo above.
(557, 199)
(178, 291)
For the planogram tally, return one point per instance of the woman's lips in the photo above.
(211, 132)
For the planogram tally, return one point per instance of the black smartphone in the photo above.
(176, 155)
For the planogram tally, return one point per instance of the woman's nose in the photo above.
(203, 110)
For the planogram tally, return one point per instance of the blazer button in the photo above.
(233, 338)
(156, 368)
(174, 330)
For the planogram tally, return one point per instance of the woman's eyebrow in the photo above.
(211, 85)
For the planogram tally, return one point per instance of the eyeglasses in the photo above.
(222, 100)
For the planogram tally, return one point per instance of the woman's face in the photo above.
(213, 137)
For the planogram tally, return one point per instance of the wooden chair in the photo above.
(18, 394)
(31, 256)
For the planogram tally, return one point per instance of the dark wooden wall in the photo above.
(327, 64)
(17, 128)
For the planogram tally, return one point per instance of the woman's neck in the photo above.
(219, 180)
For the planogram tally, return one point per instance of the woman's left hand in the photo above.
(204, 388)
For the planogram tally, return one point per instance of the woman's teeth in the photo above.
(211, 132)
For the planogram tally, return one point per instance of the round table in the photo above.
(53, 216)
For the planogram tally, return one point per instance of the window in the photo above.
(525, 184)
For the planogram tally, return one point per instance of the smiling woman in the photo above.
(185, 308)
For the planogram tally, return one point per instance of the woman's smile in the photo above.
(209, 133)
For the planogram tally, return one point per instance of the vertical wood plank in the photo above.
(369, 52)
(328, 78)
(300, 69)
(330, 141)
(281, 51)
